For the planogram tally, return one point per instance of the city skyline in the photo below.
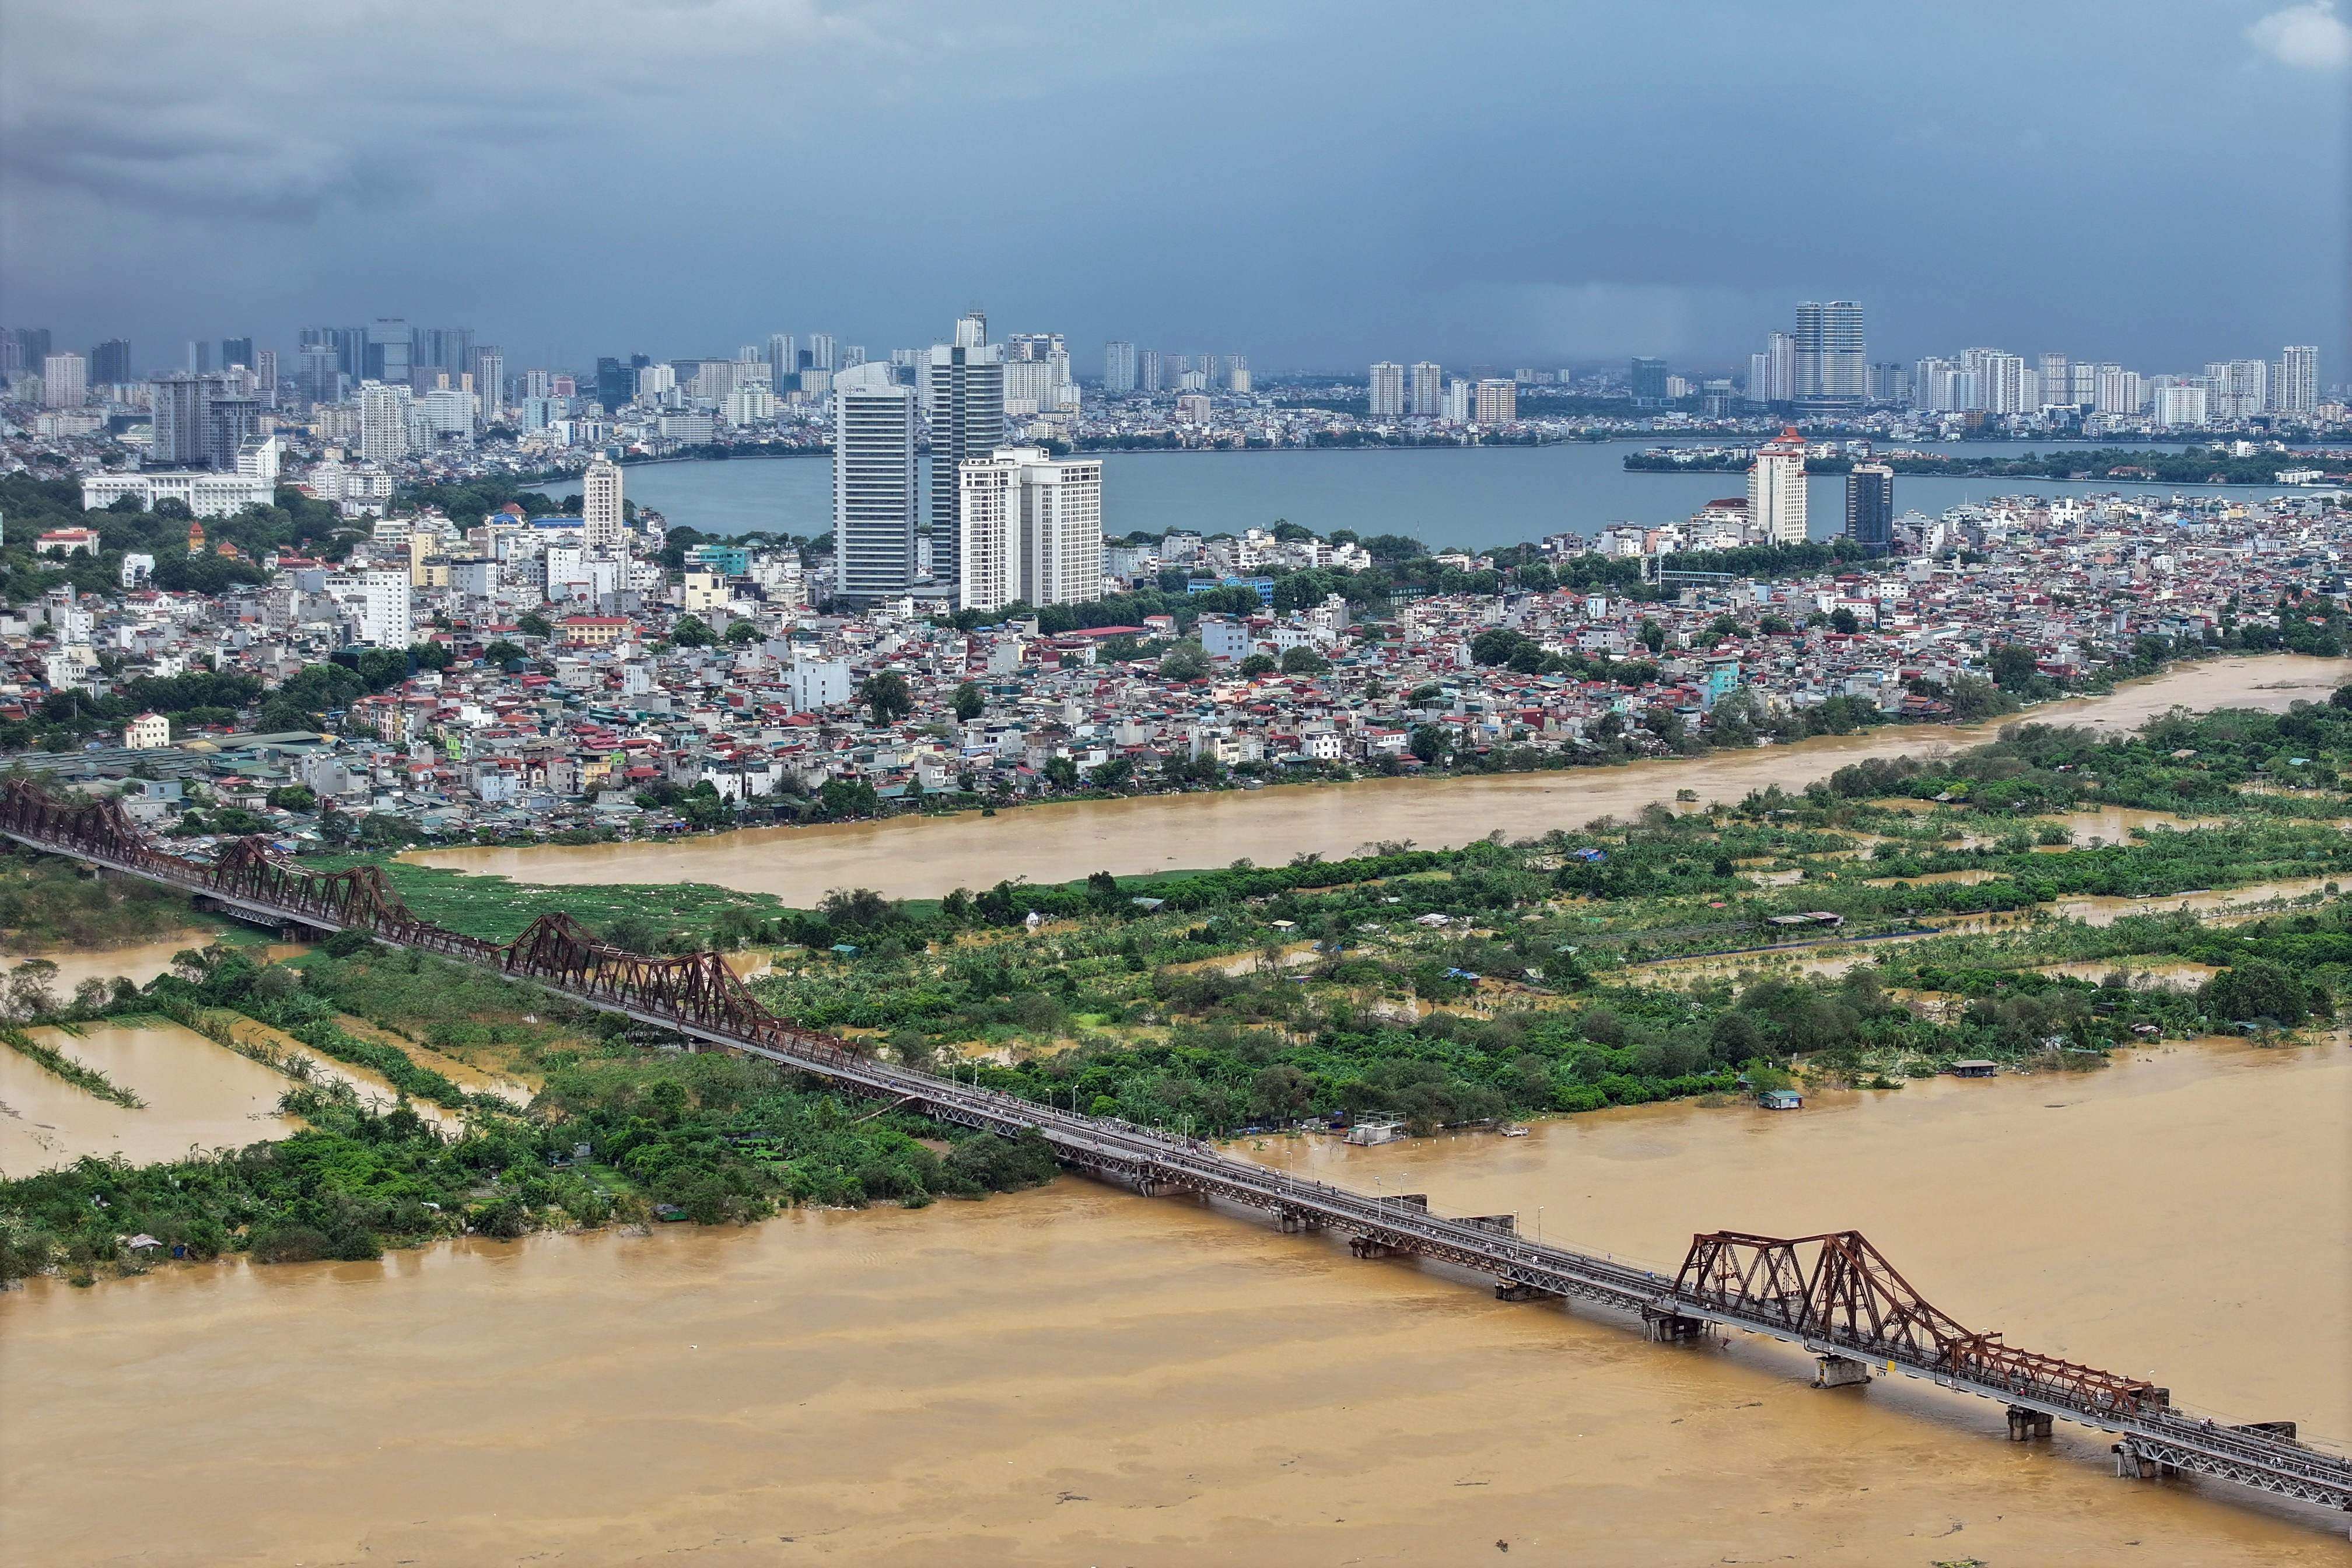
(260, 212)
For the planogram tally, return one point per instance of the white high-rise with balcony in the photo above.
(601, 525)
(1031, 529)
(1387, 391)
(1776, 491)
(1428, 390)
(2298, 379)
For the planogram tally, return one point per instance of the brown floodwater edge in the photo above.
(1079, 1375)
(929, 856)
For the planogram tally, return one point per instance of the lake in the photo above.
(1478, 497)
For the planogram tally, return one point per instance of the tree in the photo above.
(2263, 988)
(886, 696)
(293, 797)
(501, 653)
(1430, 742)
(742, 632)
(1062, 772)
(1305, 661)
(1842, 621)
(530, 622)
(968, 703)
(1653, 635)
(1184, 661)
(2013, 666)
(692, 631)
(1257, 664)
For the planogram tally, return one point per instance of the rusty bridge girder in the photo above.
(1834, 1294)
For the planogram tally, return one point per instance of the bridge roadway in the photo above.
(2159, 1440)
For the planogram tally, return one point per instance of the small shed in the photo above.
(1780, 1100)
(1974, 1066)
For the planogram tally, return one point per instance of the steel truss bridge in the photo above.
(1833, 1295)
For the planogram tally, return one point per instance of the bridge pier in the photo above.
(1376, 1247)
(1519, 1290)
(2132, 1464)
(2026, 1425)
(1840, 1372)
(1292, 1221)
(1671, 1327)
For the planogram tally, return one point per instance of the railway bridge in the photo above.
(1833, 1295)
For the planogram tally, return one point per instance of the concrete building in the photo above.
(2298, 379)
(966, 409)
(1031, 529)
(1833, 361)
(1498, 402)
(1870, 507)
(874, 470)
(1119, 366)
(65, 381)
(147, 733)
(384, 421)
(1776, 489)
(1387, 391)
(1428, 390)
(602, 526)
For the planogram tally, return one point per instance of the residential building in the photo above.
(1497, 403)
(383, 420)
(1387, 391)
(109, 363)
(1648, 377)
(65, 381)
(1776, 491)
(147, 733)
(1118, 367)
(1428, 397)
(2298, 379)
(1031, 529)
(603, 525)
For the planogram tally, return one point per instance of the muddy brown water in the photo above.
(914, 856)
(1076, 1375)
(199, 1094)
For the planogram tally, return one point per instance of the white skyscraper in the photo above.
(384, 421)
(1119, 366)
(784, 359)
(971, 330)
(1460, 400)
(1776, 491)
(385, 617)
(1387, 388)
(2056, 378)
(601, 525)
(2120, 392)
(1428, 391)
(2298, 379)
(1031, 529)
(821, 350)
(873, 484)
(1772, 374)
(65, 381)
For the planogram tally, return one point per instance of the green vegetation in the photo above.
(1869, 929)
(667, 1136)
(46, 902)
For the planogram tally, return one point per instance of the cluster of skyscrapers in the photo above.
(1127, 369)
(1004, 523)
(1822, 368)
(1421, 391)
(1994, 381)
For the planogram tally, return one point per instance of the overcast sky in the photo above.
(1312, 183)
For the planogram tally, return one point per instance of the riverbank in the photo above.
(1077, 1374)
(926, 857)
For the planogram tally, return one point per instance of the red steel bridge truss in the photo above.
(1833, 1294)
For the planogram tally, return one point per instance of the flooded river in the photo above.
(913, 856)
(1078, 1376)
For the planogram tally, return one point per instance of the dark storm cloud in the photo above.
(1311, 182)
